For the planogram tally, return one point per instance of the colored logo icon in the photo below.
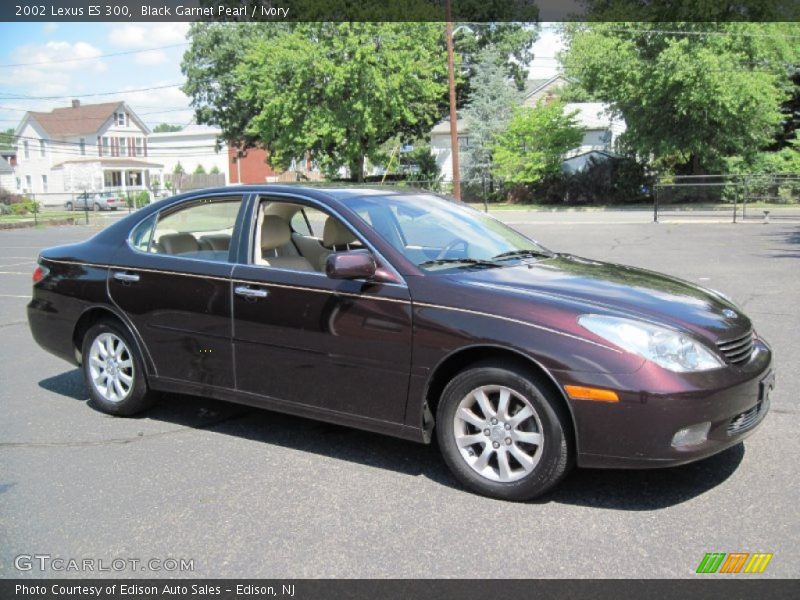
(734, 562)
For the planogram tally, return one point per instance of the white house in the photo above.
(600, 128)
(7, 176)
(92, 147)
(194, 145)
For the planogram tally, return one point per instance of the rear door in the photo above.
(175, 288)
(301, 337)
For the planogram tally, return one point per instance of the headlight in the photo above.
(665, 347)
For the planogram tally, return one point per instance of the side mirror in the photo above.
(356, 264)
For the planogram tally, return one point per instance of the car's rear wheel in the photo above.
(503, 433)
(70, 207)
(96, 207)
(113, 371)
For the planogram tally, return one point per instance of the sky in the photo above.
(50, 45)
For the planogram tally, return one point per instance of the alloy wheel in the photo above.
(111, 367)
(498, 433)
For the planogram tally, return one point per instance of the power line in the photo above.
(114, 93)
(153, 112)
(84, 58)
(719, 33)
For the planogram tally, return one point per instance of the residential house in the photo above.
(91, 147)
(193, 146)
(7, 177)
(601, 129)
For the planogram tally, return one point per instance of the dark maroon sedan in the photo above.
(405, 314)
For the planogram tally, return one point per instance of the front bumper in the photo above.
(637, 431)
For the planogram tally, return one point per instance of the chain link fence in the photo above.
(741, 197)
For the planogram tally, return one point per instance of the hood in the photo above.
(609, 288)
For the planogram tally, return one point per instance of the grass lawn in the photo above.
(40, 217)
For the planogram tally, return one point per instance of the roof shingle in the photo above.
(83, 119)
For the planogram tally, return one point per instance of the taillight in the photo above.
(39, 273)
(110, 200)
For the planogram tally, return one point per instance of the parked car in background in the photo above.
(408, 315)
(96, 201)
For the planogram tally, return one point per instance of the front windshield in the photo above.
(438, 235)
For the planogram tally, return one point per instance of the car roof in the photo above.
(336, 192)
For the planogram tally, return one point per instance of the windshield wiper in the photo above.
(470, 262)
(523, 254)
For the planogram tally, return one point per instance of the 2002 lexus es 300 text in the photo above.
(405, 314)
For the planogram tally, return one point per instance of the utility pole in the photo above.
(451, 77)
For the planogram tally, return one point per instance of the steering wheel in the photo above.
(452, 246)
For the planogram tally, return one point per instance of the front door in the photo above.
(299, 336)
(176, 289)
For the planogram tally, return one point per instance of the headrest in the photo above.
(275, 232)
(336, 234)
(178, 243)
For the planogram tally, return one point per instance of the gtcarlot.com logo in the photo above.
(47, 562)
(734, 562)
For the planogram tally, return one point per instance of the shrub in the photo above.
(141, 199)
(24, 207)
(612, 181)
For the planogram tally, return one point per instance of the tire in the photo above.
(131, 393)
(533, 462)
(70, 207)
(97, 207)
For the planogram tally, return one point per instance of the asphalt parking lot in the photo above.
(251, 493)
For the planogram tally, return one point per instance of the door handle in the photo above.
(248, 292)
(126, 277)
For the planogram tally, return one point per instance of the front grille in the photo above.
(747, 419)
(737, 350)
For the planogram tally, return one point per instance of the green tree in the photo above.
(211, 81)
(487, 113)
(214, 170)
(166, 128)
(534, 143)
(7, 140)
(200, 170)
(215, 85)
(178, 169)
(340, 90)
(690, 93)
(513, 43)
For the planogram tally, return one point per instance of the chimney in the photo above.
(76, 103)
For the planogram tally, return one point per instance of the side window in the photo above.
(201, 230)
(143, 233)
(300, 224)
(298, 238)
(309, 221)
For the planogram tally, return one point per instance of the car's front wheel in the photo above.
(503, 433)
(113, 371)
(69, 206)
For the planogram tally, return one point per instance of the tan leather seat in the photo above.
(336, 238)
(178, 243)
(275, 233)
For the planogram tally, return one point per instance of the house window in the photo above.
(83, 147)
(26, 149)
(123, 146)
(19, 184)
(41, 148)
(120, 118)
(113, 179)
(44, 183)
(105, 147)
(139, 147)
(28, 183)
